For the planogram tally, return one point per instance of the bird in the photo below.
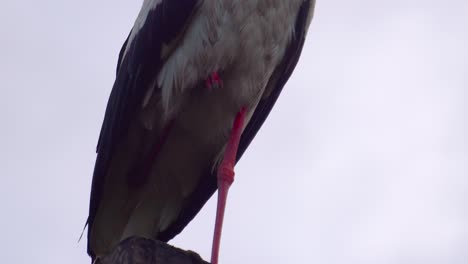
(195, 81)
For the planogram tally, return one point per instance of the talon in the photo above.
(213, 81)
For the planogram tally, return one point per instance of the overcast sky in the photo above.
(363, 160)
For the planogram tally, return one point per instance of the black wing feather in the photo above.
(208, 185)
(135, 71)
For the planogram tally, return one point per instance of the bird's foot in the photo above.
(213, 81)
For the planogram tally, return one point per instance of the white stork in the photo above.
(195, 81)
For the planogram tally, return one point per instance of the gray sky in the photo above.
(363, 160)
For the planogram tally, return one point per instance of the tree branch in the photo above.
(137, 250)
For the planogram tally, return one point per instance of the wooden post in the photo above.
(137, 250)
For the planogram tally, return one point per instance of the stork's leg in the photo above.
(225, 179)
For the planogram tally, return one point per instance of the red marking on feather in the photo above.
(213, 80)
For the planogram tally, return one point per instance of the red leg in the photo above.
(225, 179)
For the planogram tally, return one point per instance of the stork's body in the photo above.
(165, 133)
